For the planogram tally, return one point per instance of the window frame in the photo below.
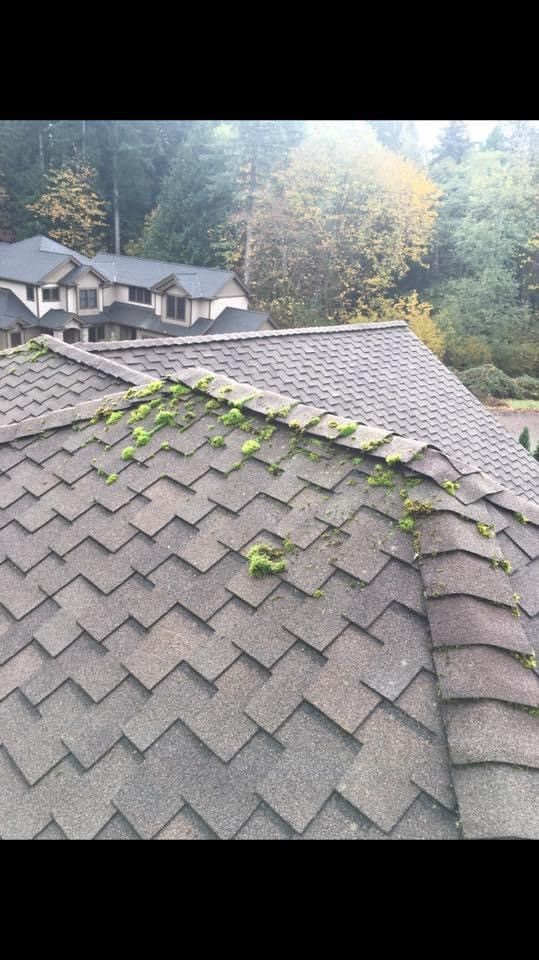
(177, 300)
(141, 295)
(16, 334)
(30, 292)
(85, 292)
(50, 290)
(93, 334)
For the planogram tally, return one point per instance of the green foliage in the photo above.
(528, 386)
(141, 436)
(407, 524)
(265, 560)
(393, 458)
(318, 594)
(128, 453)
(529, 661)
(217, 441)
(536, 452)
(178, 390)
(487, 380)
(139, 393)
(165, 445)
(524, 438)
(418, 508)
(70, 209)
(204, 382)
(112, 478)
(346, 429)
(521, 518)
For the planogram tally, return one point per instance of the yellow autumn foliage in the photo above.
(71, 209)
(410, 308)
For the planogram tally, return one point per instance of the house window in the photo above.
(15, 339)
(127, 333)
(140, 295)
(175, 308)
(51, 293)
(95, 334)
(87, 299)
(30, 293)
(71, 336)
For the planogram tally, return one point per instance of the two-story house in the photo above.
(47, 288)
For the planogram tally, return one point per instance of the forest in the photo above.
(348, 222)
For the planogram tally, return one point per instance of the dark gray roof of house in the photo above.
(30, 260)
(377, 373)
(233, 320)
(13, 310)
(150, 687)
(32, 384)
(196, 281)
(55, 319)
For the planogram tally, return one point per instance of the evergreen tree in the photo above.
(454, 142)
(536, 452)
(400, 136)
(524, 438)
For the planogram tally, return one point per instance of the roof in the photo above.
(13, 310)
(34, 381)
(378, 687)
(197, 281)
(31, 260)
(377, 373)
(232, 320)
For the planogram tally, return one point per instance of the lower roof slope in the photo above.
(49, 374)
(377, 373)
(380, 686)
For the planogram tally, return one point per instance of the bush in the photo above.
(517, 358)
(524, 438)
(529, 387)
(488, 380)
(465, 352)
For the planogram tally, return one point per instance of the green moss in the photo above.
(357, 460)
(407, 524)
(265, 560)
(500, 562)
(128, 453)
(313, 422)
(288, 546)
(347, 429)
(527, 660)
(373, 444)
(112, 478)
(178, 390)
(521, 518)
(204, 382)
(139, 393)
(165, 445)
(295, 425)
(217, 441)
(212, 405)
(314, 457)
(381, 477)
(485, 529)
(141, 436)
(140, 413)
(114, 417)
(249, 447)
(232, 418)
(164, 418)
(274, 468)
(393, 458)
(266, 433)
(418, 508)
(451, 486)
(224, 390)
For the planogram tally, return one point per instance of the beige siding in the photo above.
(217, 306)
(19, 289)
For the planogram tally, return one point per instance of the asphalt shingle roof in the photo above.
(378, 687)
(196, 281)
(379, 373)
(30, 260)
(13, 310)
(32, 382)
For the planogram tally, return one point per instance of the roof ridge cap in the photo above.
(248, 335)
(86, 358)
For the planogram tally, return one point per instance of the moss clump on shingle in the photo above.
(128, 453)
(485, 529)
(139, 393)
(140, 413)
(141, 436)
(232, 418)
(346, 429)
(372, 444)
(265, 560)
(114, 417)
(381, 477)
(249, 447)
(521, 518)
(164, 418)
(112, 478)
(450, 486)
(204, 382)
(393, 458)
(418, 508)
(217, 441)
(527, 660)
(178, 390)
(407, 524)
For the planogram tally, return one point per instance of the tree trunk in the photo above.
(115, 188)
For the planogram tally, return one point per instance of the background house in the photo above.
(47, 288)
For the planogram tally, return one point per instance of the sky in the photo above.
(429, 130)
